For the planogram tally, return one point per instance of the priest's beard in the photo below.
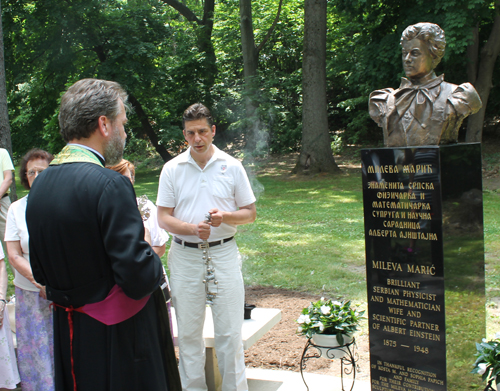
(113, 151)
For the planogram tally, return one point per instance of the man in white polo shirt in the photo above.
(204, 180)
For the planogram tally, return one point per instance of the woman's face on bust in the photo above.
(417, 59)
(35, 167)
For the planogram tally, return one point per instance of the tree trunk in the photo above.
(250, 63)
(484, 80)
(5, 140)
(205, 43)
(316, 153)
(472, 56)
(255, 138)
(148, 129)
(143, 117)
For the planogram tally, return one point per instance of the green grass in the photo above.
(491, 207)
(461, 332)
(146, 182)
(308, 236)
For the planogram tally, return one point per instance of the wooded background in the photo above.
(279, 75)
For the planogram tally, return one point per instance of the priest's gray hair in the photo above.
(84, 102)
(432, 35)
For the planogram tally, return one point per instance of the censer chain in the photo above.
(209, 281)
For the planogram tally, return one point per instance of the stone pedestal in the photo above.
(425, 265)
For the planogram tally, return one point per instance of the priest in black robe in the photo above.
(87, 246)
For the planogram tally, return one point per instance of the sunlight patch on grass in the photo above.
(492, 243)
(349, 220)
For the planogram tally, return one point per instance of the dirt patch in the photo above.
(279, 167)
(281, 348)
(492, 181)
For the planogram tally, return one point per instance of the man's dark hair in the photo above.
(432, 35)
(84, 102)
(34, 154)
(197, 111)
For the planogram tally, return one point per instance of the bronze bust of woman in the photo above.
(424, 110)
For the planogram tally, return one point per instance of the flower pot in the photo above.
(329, 346)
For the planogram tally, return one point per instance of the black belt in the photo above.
(5, 195)
(198, 245)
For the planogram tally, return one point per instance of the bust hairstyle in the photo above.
(197, 111)
(84, 102)
(34, 154)
(432, 35)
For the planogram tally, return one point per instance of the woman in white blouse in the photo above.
(34, 330)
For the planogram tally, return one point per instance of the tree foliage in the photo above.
(5, 138)
(169, 54)
(365, 50)
(141, 45)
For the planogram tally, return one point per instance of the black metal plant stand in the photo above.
(488, 386)
(346, 353)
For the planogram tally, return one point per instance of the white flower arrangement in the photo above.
(329, 317)
(488, 359)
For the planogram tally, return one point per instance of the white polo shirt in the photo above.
(222, 184)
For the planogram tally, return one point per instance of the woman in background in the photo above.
(34, 330)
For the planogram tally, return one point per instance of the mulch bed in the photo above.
(281, 348)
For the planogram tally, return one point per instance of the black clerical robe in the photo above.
(86, 235)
